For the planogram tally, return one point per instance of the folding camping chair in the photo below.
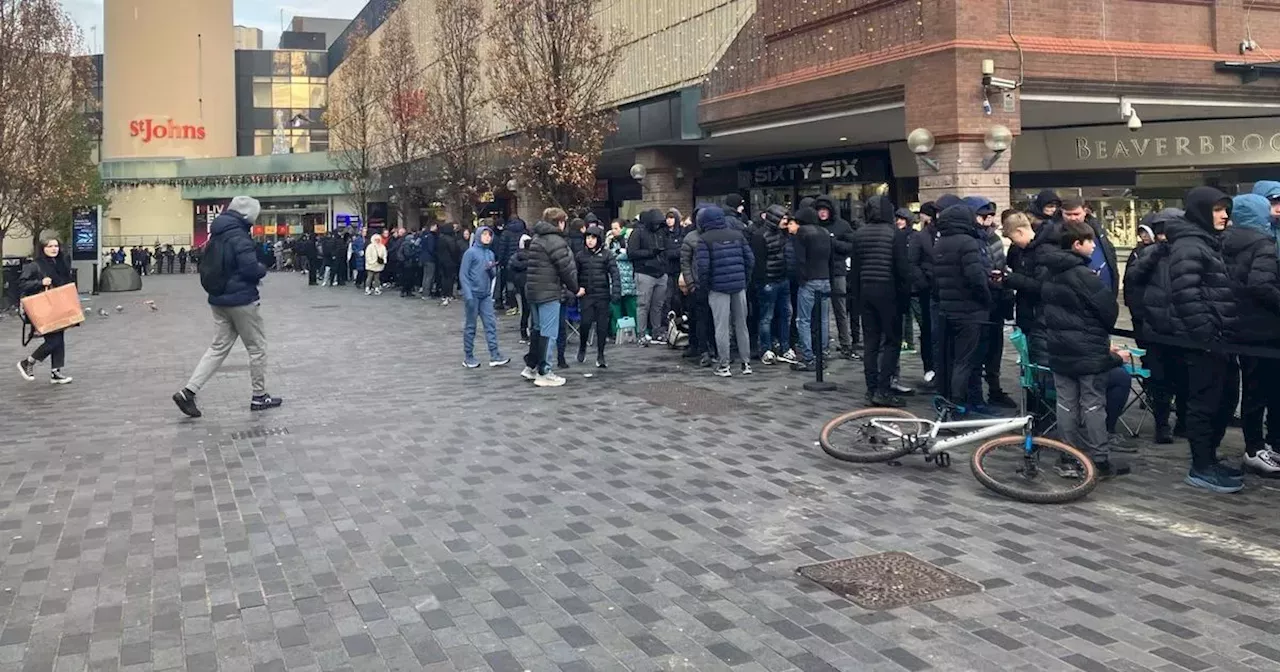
(1140, 378)
(573, 321)
(1036, 382)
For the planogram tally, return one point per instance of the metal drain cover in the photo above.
(258, 433)
(888, 580)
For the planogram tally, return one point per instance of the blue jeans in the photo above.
(549, 328)
(775, 314)
(804, 315)
(482, 308)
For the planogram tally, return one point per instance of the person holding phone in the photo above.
(50, 268)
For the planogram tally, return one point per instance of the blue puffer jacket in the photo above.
(241, 267)
(724, 260)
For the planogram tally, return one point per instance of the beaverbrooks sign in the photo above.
(156, 129)
(1165, 145)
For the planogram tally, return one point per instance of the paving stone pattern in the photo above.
(403, 513)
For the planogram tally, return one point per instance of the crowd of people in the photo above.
(157, 260)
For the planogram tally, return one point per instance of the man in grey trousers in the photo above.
(724, 263)
(230, 273)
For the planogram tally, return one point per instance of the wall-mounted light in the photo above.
(997, 139)
(679, 176)
(638, 171)
(920, 142)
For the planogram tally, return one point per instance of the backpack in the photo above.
(213, 275)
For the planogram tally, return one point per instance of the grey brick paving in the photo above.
(402, 513)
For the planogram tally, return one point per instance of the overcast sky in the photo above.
(264, 14)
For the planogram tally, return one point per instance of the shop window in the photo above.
(262, 94)
(298, 63)
(316, 63)
(262, 145)
(301, 144)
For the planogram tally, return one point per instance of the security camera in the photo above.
(998, 83)
(1134, 122)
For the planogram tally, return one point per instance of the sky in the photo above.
(264, 14)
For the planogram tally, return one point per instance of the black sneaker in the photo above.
(705, 362)
(264, 402)
(854, 355)
(600, 363)
(1180, 429)
(27, 369)
(1002, 400)
(1111, 468)
(810, 365)
(561, 364)
(1163, 434)
(582, 355)
(186, 401)
(889, 401)
(56, 377)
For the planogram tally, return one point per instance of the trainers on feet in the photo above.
(582, 355)
(1164, 435)
(888, 401)
(499, 361)
(1265, 463)
(471, 363)
(1121, 444)
(706, 361)
(529, 374)
(561, 363)
(1214, 480)
(56, 378)
(186, 401)
(768, 357)
(1230, 470)
(804, 366)
(27, 369)
(1111, 468)
(746, 369)
(789, 356)
(1001, 400)
(548, 380)
(898, 388)
(600, 363)
(264, 402)
(723, 371)
(524, 340)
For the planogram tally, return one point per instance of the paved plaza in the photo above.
(401, 512)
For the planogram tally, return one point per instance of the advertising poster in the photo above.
(205, 213)
(84, 234)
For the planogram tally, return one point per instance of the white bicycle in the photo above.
(1019, 466)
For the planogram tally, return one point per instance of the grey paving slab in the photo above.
(403, 513)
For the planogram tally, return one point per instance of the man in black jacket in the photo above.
(551, 273)
(647, 251)
(920, 260)
(599, 283)
(1168, 377)
(508, 243)
(842, 246)
(964, 298)
(1079, 313)
(449, 251)
(773, 268)
(884, 284)
(815, 265)
(675, 234)
(230, 276)
(1190, 299)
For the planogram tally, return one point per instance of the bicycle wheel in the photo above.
(1004, 465)
(852, 438)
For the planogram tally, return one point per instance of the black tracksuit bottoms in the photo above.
(963, 341)
(882, 329)
(1260, 402)
(1213, 387)
(594, 312)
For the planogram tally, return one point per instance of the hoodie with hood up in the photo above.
(449, 250)
(478, 268)
(880, 252)
(723, 259)
(509, 240)
(1249, 250)
(769, 245)
(841, 231)
(1190, 296)
(815, 260)
(1144, 260)
(964, 294)
(240, 265)
(647, 246)
(598, 269)
(1042, 199)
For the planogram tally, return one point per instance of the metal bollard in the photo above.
(816, 325)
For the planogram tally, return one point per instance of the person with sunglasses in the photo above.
(50, 268)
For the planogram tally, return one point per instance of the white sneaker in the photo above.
(746, 369)
(549, 380)
(56, 378)
(723, 372)
(501, 361)
(367, 291)
(1266, 463)
(768, 357)
(789, 356)
(529, 374)
(928, 376)
(377, 292)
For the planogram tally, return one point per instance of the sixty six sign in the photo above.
(805, 170)
(164, 129)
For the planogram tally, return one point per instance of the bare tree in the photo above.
(457, 136)
(549, 74)
(352, 118)
(43, 88)
(403, 103)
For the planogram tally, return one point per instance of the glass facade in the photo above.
(280, 101)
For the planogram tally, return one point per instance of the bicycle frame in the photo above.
(982, 430)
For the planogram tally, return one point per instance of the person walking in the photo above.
(230, 275)
(479, 271)
(646, 249)
(599, 284)
(551, 273)
(724, 266)
(375, 260)
(50, 268)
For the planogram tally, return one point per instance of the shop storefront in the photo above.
(848, 178)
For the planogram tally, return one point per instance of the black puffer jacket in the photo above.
(518, 264)
(769, 245)
(841, 230)
(1027, 281)
(1079, 313)
(449, 249)
(1250, 256)
(920, 258)
(551, 267)
(1138, 273)
(598, 271)
(646, 248)
(675, 239)
(876, 257)
(963, 290)
(812, 247)
(1190, 296)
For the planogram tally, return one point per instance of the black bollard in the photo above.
(819, 385)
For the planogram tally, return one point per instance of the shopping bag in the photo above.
(53, 309)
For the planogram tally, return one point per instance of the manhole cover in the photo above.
(258, 432)
(686, 398)
(887, 580)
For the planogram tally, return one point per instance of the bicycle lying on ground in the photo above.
(1024, 467)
